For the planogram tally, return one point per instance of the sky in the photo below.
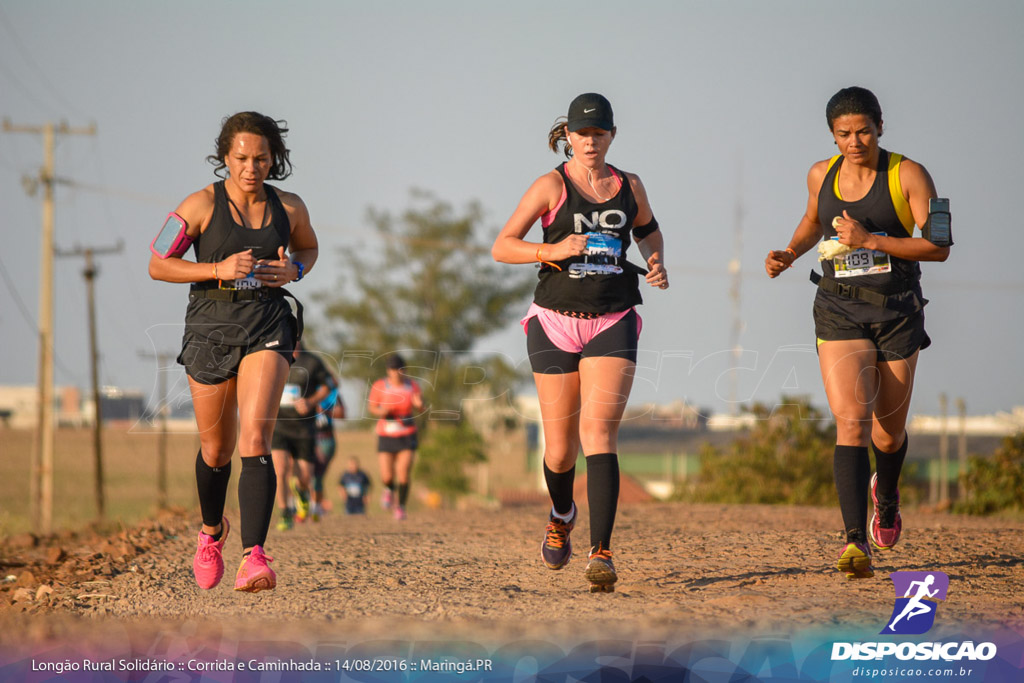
(719, 108)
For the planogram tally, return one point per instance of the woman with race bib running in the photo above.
(396, 400)
(868, 310)
(239, 330)
(582, 328)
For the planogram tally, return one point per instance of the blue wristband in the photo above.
(301, 267)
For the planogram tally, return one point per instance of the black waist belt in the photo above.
(258, 294)
(833, 286)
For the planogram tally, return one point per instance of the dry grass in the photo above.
(130, 473)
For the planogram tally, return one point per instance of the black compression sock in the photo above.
(889, 466)
(212, 484)
(560, 488)
(257, 486)
(403, 493)
(851, 468)
(602, 496)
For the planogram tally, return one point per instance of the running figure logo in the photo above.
(917, 594)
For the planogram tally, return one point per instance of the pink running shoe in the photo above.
(400, 513)
(886, 523)
(386, 499)
(208, 564)
(254, 575)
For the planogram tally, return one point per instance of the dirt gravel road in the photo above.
(685, 570)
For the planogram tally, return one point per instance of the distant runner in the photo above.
(396, 399)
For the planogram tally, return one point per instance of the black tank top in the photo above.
(898, 278)
(595, 282)
(237, 323)
(224, 237)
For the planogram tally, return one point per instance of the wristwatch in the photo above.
(301, 267)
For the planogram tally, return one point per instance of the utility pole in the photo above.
(161, 449)
(944, 450)
(735, 290)
(90, 273)
(41, 477)
(961, 448)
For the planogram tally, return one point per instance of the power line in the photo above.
(30, 321)
(118, 192)
(24, 88)
(40, 74)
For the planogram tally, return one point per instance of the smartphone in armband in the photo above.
(172, 240)
(938, 231)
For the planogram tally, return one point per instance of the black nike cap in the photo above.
(590, 110)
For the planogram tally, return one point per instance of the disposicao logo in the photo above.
(917, 596)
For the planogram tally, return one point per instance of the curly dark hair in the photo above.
(257, 124)
(853, 100)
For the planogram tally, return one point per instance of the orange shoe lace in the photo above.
(603, 553)
(557, 532)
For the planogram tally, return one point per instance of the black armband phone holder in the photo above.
(642, 231)
(939, 229)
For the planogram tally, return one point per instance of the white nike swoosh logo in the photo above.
(587, 111)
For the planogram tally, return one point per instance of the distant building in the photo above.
(1000, 424)
(21, 405)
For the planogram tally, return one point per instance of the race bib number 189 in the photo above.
(862, 262)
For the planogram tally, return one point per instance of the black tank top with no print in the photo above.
(237, 323)
(595, 283)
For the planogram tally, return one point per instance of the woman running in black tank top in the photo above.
(868, 311)
(582, 328)
(240, 332)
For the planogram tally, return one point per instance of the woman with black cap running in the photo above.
(582, 328)
(395, 400)
(868, 310)
(239, 330)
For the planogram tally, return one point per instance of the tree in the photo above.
(785, 458)
(431, 295)
(995, 484)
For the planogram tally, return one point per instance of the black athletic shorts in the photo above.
(618, 341)
(895, 339)
(209, 362)
(396, 444)
(301, 444)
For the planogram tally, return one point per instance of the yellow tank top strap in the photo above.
(835, 181)
(899, 202)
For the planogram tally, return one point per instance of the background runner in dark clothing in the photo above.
(355, 485)
(294, 442)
